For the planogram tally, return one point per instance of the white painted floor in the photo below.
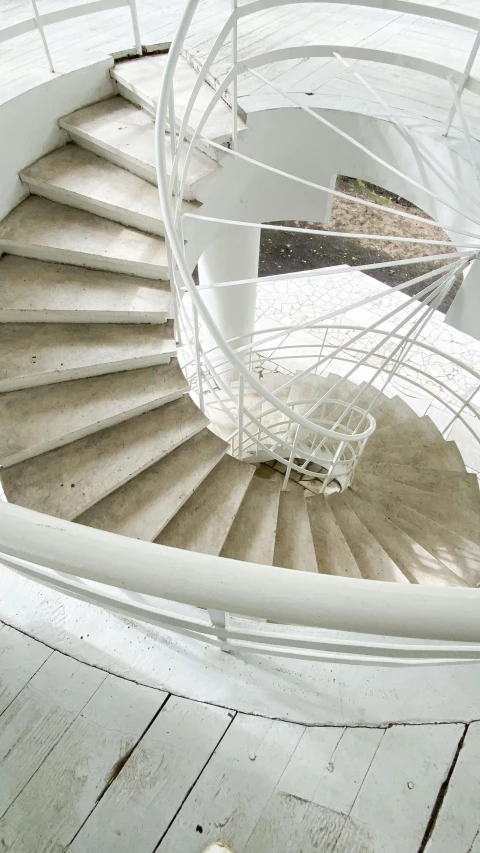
(318, 82)
(91, 761)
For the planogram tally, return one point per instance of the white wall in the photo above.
(29, 122)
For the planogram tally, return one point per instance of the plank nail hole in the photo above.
(199, 828)
(410, 785)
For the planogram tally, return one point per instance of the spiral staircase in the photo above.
(104, 420)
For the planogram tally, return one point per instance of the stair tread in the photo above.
(144, 78)
(293, 541)
(205, 519)
(39, 228)
(119, 129)
(41, 353)
(386, 410)
(32, 290)
(458, 554)
(435, 454)
(252, 535)
(416, 563)
(68, 481)
(334, 557)
(373, 561)
(440, 482)
(36, 420)
(144, 506)
(408, 432)
(458, 515)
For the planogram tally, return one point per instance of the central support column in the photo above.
(233, 255)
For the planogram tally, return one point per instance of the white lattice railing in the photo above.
(308, 616)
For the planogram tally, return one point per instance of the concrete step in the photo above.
(68, 481)
(43, 229)
(334, 557)
(458, 554)
(42, 353)
(74, 176)
(205, 519)
(457, 515)
(437, 454)
(125, 135)
(409, 432)
(373, 561)
(386, 410)
(144, 506)
(40, 292)
(455, 484)
(36, 420)
(416, 562)
(252, 535)
(140, 82)
(293, 541)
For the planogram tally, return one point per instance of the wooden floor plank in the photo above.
(55, 803)
(457, 827)
(395, 802)
(155, 780)
(38, 717)
(20, 658)
(235, 787)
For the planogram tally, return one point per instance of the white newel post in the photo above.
(232, 256)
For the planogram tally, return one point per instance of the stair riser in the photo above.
(156, 272)
(8, 461)
(47, 378)
(91, 205)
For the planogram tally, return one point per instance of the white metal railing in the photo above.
(40, 20)
(308, 616)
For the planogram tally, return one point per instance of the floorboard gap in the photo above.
(441, 794)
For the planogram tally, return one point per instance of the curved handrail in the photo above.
(279, 595)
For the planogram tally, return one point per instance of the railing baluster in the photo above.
(198, 358)
(136, 26)
(219, 623)
(41, 32)
(235, 79)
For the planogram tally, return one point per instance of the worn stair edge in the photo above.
(204, 521)
(334, 557)
(68, 481)
(146, 503)
(37, 420)
(416, 562)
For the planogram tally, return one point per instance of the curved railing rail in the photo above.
(195, 594)
(40, 20)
